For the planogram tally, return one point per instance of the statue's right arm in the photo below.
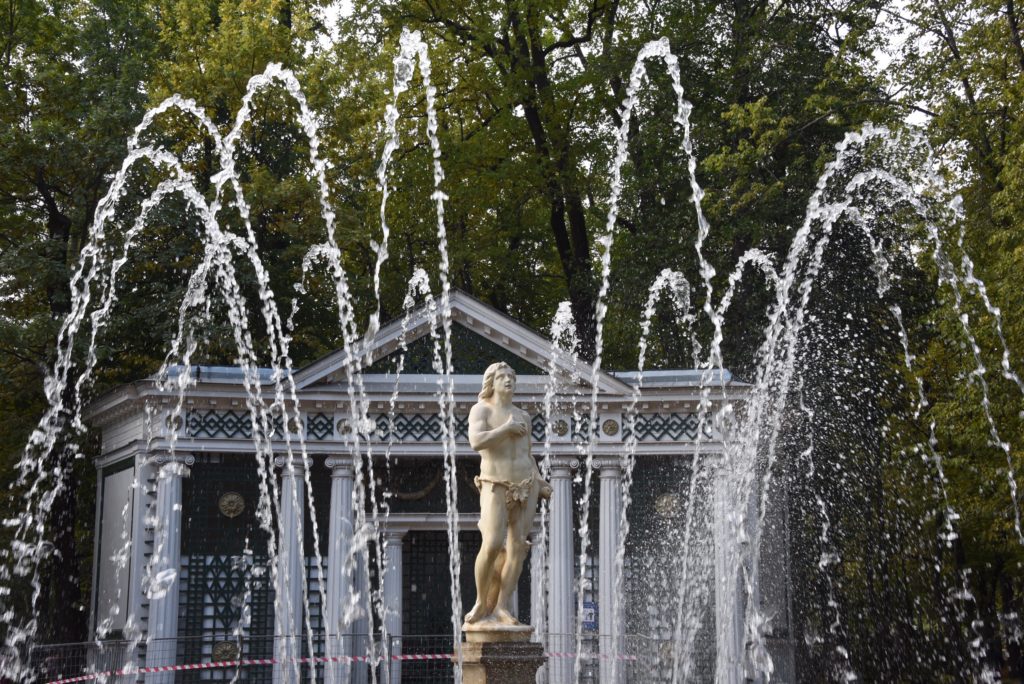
(480, 437)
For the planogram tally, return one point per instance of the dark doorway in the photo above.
(426, 595)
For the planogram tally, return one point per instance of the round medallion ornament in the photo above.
(610, 427)
(173, 423)
(667, 505)
(224, 650)
(561, 428)
(344, 427)
(231, 504)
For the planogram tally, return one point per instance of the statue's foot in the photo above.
(503, 617)
(475, 614)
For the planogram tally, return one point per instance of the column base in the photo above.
(508, 659)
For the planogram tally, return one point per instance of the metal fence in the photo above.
(412, 659)
(58, 661)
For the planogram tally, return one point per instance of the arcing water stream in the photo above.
(742, 481)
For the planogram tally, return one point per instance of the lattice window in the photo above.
(661, 427)
(426, 600)
(214, 592)
(219, 503)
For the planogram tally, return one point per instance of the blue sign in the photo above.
(589, 616)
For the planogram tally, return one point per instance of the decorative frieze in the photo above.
(428, 427)
(666, 427)
(228, 424)
(416, 427)
(319, 426)
(232, 424)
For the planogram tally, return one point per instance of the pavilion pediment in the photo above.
(481, 335)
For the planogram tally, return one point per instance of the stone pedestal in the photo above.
(500, 654)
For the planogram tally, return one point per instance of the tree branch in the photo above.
(465, 33)
(1011, 18)
(596, 10)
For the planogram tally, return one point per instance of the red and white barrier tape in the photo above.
(303, 661)
(593, 656)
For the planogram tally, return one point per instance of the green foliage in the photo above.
(72, 76)
(961, 66)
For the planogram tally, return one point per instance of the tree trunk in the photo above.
(551, 142)
(63, 619)
(990, 632)
(1015, 658)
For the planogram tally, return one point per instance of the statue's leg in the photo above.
(493, 528)
(516, 546)
(495, 585)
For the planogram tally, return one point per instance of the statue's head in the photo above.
(492, 372)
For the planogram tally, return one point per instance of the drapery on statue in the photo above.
(510, 486)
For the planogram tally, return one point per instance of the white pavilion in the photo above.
(183, 562)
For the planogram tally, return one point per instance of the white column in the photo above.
(339, 582)
(561, 601)
(290, 569)
(142, 495)
(361, 625)
(728, 593)
(609, 622)
(392, 598)
(165, 565)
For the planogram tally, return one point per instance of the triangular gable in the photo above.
(485, 328)
(471, 354)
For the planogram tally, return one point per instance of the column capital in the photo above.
(561, 466)
(341, 466)
(297, 463)
(181, 462)
(393, 534)
(611, 468)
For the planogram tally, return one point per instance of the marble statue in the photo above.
(510, 486)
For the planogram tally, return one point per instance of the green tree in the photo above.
(72, 77)
(961, 66)
(529, 96)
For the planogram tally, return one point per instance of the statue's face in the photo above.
(505, 381)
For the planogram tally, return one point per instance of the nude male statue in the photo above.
(510, 486)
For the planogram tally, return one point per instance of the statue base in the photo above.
(500, 654)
